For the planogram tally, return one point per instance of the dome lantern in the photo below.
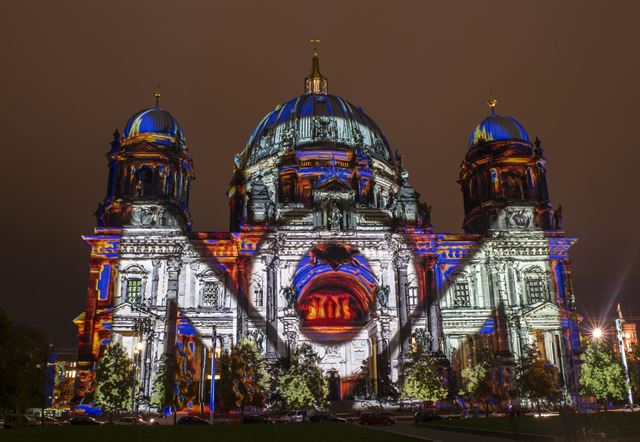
(316, 83)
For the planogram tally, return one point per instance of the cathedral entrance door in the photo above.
(334, 385)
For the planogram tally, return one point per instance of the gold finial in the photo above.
(492, 102)
(314, 42)
(315, 83)
(157, 95)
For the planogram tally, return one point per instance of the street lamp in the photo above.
(136, 350)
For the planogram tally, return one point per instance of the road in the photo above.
(407, 428)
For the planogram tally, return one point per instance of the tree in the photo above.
(114, 379)
(244, 379)
(487, 381)
(601, 374)
(537, 379)
(23, 357)
(302, 384)
(421, 378)
(633, 362)
(162, 395)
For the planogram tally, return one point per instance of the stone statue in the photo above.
(422, 338)
(290, 295)
(538, 150)
(400, 212)
(258, 337)
(270, 212)
(335, 216)
(557, 218)
(424, 214)
(382, 295)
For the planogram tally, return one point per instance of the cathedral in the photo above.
(329, 244)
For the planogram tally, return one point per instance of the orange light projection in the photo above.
(330, 306)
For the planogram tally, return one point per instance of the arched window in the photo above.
(133, 280)
(536, 287)
(460, 291)
(513, 186)
(255, 288)
(212, 290)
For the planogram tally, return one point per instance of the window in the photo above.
(134, 290)
(258, 300)
(461, 296)
(211, 294)
(535, 290)
(413, 296)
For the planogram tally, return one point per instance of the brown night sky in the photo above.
(73, 71)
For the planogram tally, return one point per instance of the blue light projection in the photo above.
(102, 285)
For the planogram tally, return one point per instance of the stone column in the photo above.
(154, 281)
(173, 272)
(383, 358)
(272, 264)
(400, 262)
(242, 300)
(431, 302)
(291, 326)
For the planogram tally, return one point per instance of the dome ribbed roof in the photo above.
(498, 128)
(315, 119)
(154, 125)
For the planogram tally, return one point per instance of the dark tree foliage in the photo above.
(23, 354)
(422, 377)
(244, 379)
(302, 384)
(487, 381)
(164, 383)
(537, 379)
(601, 374)
(114, 379)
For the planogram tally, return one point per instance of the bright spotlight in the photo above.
(597, 332)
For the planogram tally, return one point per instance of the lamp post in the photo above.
(136, 350)
(623, 356)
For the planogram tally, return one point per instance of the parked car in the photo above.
(427, 415)
(348, 417)
(326, 417)
(52, 421)
(192, 420)
(256, 419)
(294, 416)
(376, 418)
(18, 421)
(84, 420)
(128, 420)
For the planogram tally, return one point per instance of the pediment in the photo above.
(122, 310)
(333, 184)
(545, 310)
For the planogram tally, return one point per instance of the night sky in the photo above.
(73, 71)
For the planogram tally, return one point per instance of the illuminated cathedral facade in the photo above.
(329, 244)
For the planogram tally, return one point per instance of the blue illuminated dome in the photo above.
(155, 126)
(498, 128)
(316, 119)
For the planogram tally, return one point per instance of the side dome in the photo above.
(498, 128)
(316, 119)
(155, 126)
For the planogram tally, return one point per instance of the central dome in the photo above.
(316, 120)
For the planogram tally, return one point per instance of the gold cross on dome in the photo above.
(157, 95)
(314, 42)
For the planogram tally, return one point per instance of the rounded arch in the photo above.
(335, 291)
